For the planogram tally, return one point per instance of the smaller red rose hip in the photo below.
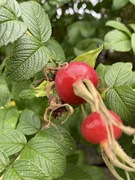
(68, 75)
(93, 128)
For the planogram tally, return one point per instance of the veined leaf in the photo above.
(10, 28)
(117, 4)
(8, 118)
(117, 41)
(4, 160)
(66, 143)
(56, 52)
(133, 42)
(122, 100)
(74, 172)
(23, 169)
(118, 25)
(101, 70)
(89, 57)
(120, 74)
(46, 154)
(27, 58)
(27, 94)
(29, 122)
(37, 20)
(32, 92)
(11, 141)
(4, 93)
(10, 11)
(19, 87)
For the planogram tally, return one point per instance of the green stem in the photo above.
(83, 109)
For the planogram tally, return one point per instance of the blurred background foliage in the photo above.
(79, 25)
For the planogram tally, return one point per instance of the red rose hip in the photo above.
(67, 76)
(93, 128)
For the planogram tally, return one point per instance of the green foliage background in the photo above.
(36, 34)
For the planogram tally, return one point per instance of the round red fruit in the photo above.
(93, 128)
(68, 75)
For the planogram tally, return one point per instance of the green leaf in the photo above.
(27, 58)
(27, 94)
(4, 160)
(120, 74)
(40, 90)
(29, 122)
(117, 40)
(86, 44)
(132, 1)
(74, 172)
(133, 42)
(95, 172)
(4, 93)
(46, 154)
(2, 2)
(17, 89)
(8, 118)
(60, 136)
(118, 25)
(122, 100)
(59, 2)
(37, 20)
(23, 169)
(101, 70)
(11, 10)
(11, 141)
(89, 57)
(132, 175)
(56, 52)
(10, 27)
(117, 4)
(129, 147)
(78, 30)
(132, 26)
(32, 92)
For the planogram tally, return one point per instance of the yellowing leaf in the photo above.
(89, 57)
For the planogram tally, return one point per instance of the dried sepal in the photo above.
(112, 153)
(56, 109)
(86, 90)
(115, 157)
(110, 166)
